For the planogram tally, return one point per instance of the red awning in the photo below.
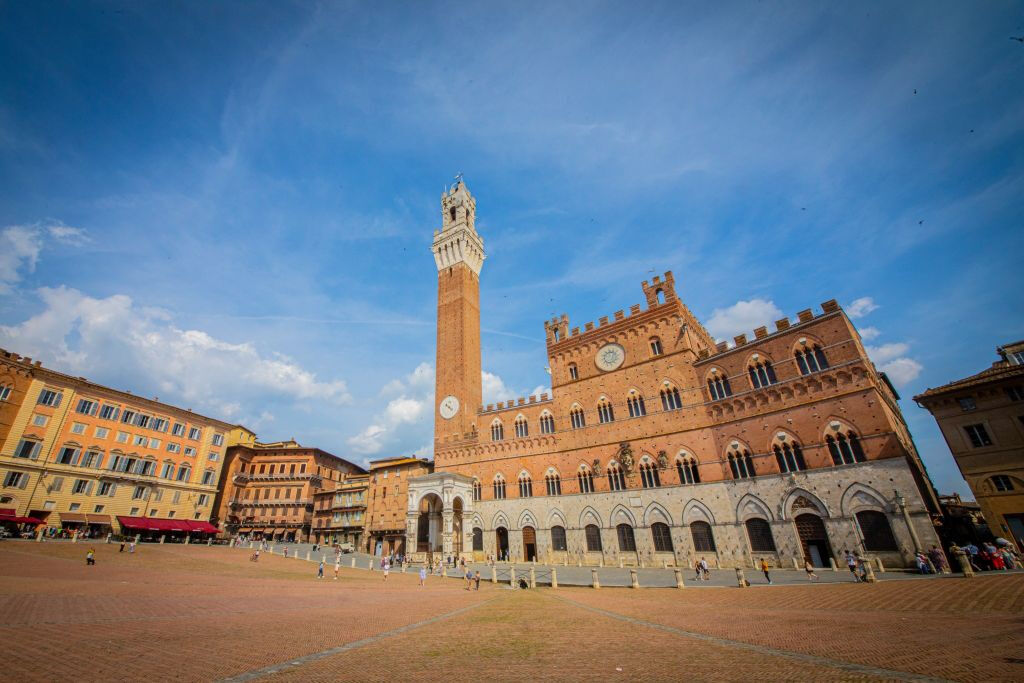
(7, 511)
(203, 527)
(144, 523)
(20, 520)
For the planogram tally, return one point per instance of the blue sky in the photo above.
(230, 205)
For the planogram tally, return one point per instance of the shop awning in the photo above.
(20, 520)
(77, 517)
(143, 523)
(98, 519)
(7, 511)
(204, 527)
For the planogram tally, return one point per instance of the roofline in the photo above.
(283, 451)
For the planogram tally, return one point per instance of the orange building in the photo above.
(386, 503)
(81, 456)
(267, 489)
(339, 514)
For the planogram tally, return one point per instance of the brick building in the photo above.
(386, 502)
(658, 444)
(982, 419)
(267, 489)
(78, 455)
(340, 513)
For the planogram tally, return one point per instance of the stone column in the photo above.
(447, 517)
(411, 529)
(901, 502)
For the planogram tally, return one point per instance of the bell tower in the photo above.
(459, 254)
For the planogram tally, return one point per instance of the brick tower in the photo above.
(459, 253)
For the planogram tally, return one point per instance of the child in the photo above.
(90, 557)
(423, 576)
(337, 566)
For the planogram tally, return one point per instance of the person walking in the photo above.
(469, 579)
(764, 569)
(90, 557)
(121, 550)
(696, 570)
(386, 567)
(320, 569)
(423, 575)
(851, 563)
(337, 566)
(811, 576)
(476, 580)
(704, 569)
(131, 547)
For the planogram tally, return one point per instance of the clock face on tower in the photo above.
(609, 357)
(449, 407)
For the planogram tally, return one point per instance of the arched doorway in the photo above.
(814, 539)
(529, 543)
(501, 542)
(428, 525)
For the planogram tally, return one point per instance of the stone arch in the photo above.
(423, 494)
(696, 511)
(859, 497)
(655, 512)
(460, 498)
(477, 520)
(500, 520)
(779, 436)
(762, 356)
(751, 506)
(646, 457)
(556, 518)
(527, 518)
(810, 341)
(799, 501)
(737, 445)
(589, 516)
(844, 427)
(620, 514)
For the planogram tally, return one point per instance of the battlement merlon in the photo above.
(556, 329)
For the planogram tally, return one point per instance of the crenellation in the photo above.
(830, 306)
(602, 321)
(782, 324)
(740, 339)
(587, 327)
(761, 332)
(805, 315)
(634, 309)
(619, 315)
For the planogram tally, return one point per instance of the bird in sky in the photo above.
(1019, 39)
(920, 222)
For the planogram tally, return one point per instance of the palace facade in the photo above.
(658, 445)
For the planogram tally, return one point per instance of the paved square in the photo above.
(198, 613)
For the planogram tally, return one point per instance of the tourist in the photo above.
(851, 562)
(131, 547)
(337, 566)
(696, 569)
(704, 569)
(122, 546)
(938, 560)
(286, 552)
(423, 575)
(764, 568)
(90, 557)
(386, 567)
(469, 579)
(320, 569)
(922, 563)
(476, 579)
(811, 576)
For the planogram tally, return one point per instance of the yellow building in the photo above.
(81, 456)
(982, 420)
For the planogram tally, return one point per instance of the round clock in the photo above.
(449, 406)
(609, 357)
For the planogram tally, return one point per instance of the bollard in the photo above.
(579, 561)
(403, 567)
(620, 563)
(512, 576)
(593, 579)
(869, 573)
(39, 537)
(535, 560)
(964, 562)
(74, 537)
(554, 578)
(565, 560)
(309, 555)
(209, 542)
(162, 538)
(641, 563)
(633, 582)
(832, 563)
(494, 574)
(188, 540)
(533, 577)
(679, 578)
(250, 545)
(664, 564)
(353, 563)
(796, 564)
(138, 537)
(741, 580)
(881, 567)
(600, 561)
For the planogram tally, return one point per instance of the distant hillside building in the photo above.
(658, 444)
(982, 419)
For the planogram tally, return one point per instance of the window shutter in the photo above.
(95, 409)
(88, 488)
(75, 456)
(35, 450)
(56, 401)
(24, 481)
(117, 414)
(113, 489)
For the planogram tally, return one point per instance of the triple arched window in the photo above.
(499, 488)
(525, 486)
(605, 412)
(845, 449)
(616, 478)
(670, 398)
(547, 424)
(649, 475)
(576, 418)
(522, 429)
(762, 374)
(635, 402)
(810, 359)
(789, 457)
(586, 481)
(718, 387)
(741, 465)
(497, 431)
(553, 483)
(688, 472)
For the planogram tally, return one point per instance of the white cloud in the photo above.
(115, 341)
(76, 237)
(494, 388)
(887, 352)
(406, 415)
(861, 307)
(20, 246)
(404, 409)
(742, 316)
(902, 371)
(869, 333)
(368, 441)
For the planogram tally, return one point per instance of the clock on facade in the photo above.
(609, 357)
(449, 406)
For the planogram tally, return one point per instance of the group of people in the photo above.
(701, 568)
(990, 557)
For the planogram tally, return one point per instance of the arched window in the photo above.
(593, 538)
(661, 296)
(478, 539)
(525, 486)
(627, 543)
(670, 398)
(576, 418)
(1001, 482)
(497, 431)
(662, 537)
(499, 488)
(790, 457)
(636, 405)
(718, 387)
(574, 372)
(810, 359)
(547, 423)
(845, 449)
(649, 475)
(586, 481)
(477, 490)
(762, 374)
(553, 483)
(877, 533)
(760, 534)
(616, 478)
(703, 539)
(655, 346)
(558, 538)
(605, 412)
(687, 469)
(741, 465)
(522, 430)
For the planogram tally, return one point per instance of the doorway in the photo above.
(530, 543)
(814, 540)
(501, 542)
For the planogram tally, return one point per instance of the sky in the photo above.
(229, 205)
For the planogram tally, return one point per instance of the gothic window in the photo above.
(810, 359)
(558, 538)
(874, 527)
(499, 488)
(790, 457)
(760, 534)
(655, 346)
(649, 475)
(593, 538)
(574, 372)
(477, 489)
(670, 398)
(576, 418)
(522, 430)
(718, 387)
(1001, 482)
(605, 412)
(478, 539)
(616, 478)
(497, 431)
(761, 374)
(703, 539)
(662, 537)
(547, 424)
(627, 543)
(741, 465)
(525, 486)
(636, 405)
(688, 472)
(586, 481)
(553, 483)
(845, 449)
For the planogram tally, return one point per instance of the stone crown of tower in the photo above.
(457, 241)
